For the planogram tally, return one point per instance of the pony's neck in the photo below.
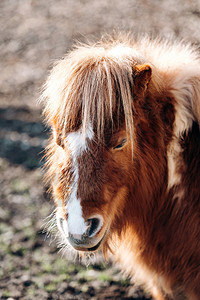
(149, 185)
(154, 209)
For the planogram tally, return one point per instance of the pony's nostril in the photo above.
(94, 225)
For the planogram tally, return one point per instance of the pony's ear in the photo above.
(141, 77)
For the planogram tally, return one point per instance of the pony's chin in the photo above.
(88, 248)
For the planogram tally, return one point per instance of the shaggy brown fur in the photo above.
(140, 170)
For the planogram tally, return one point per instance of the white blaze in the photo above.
(77, 143)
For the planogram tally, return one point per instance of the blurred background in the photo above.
(33, 34)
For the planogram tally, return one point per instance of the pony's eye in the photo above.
(121, 144)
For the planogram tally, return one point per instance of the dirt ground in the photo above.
(34, 33)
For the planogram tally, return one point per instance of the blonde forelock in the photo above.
(90, 85)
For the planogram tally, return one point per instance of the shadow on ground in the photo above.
(22, 140)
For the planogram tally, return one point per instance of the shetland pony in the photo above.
(124, 158)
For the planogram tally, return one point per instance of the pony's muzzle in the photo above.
(88, 239)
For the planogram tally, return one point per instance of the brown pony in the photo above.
(124, 158)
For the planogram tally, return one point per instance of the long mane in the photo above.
(94, 81)
(93, 84)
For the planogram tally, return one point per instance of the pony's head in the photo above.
(94, 100)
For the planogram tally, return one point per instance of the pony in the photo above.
(123, 159)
